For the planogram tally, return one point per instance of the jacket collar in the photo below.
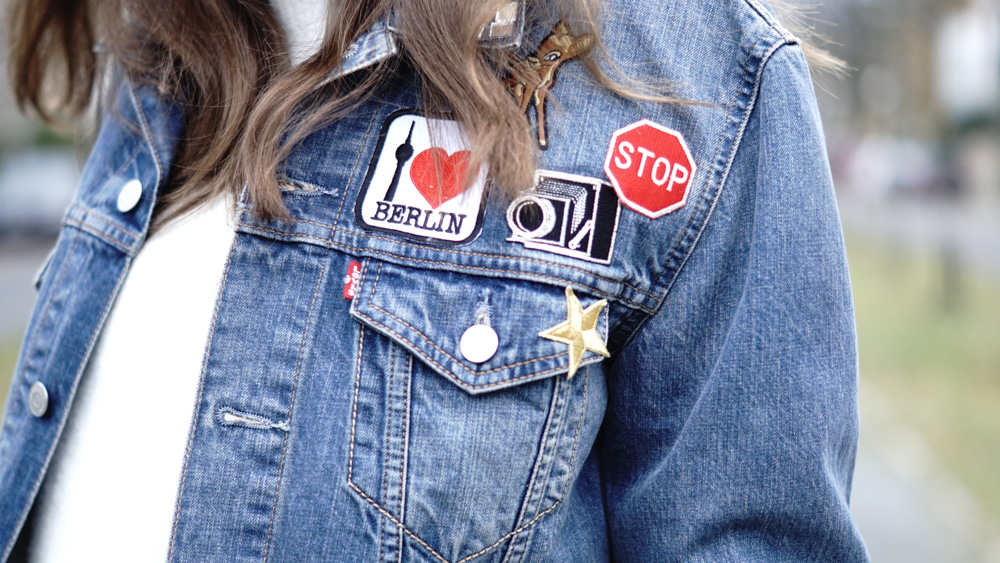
(381, 41)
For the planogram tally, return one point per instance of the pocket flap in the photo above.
(427, 312)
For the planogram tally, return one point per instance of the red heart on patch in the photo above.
(450, 169)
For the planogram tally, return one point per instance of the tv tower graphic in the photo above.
(404, 153)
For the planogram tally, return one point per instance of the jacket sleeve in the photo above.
(732, 425)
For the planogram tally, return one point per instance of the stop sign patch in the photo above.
(650, 167)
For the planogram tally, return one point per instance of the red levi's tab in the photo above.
(650, 167)
(351, 280)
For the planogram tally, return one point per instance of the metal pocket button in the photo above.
(129, 195)
(479, 343)
(38, 399)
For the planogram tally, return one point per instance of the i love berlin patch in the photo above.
(414, 183)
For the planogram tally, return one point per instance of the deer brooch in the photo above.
(533, 76)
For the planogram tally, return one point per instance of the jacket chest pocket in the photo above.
(463, 456)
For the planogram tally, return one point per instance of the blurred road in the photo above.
(19, 262)
(909, 509)
(970, 230)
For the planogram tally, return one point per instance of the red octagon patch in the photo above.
(650, 167)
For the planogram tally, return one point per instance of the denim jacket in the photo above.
(702, 408)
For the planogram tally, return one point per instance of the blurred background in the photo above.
(914, 138)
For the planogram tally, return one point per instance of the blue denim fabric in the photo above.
(722, 427)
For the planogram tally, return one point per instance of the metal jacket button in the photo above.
(479, 343)
(38, 399)
(129, 195)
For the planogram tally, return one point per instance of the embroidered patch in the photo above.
(414, 188)
(650, 167)
(351, 280)
(578, 331)
(533, 77)
(566, 214)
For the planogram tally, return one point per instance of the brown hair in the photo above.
(226, 62)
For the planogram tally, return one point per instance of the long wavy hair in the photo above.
(226, 63)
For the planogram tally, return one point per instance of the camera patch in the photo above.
(413, 187)
(566, 214)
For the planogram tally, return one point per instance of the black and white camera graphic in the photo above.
(566, 214)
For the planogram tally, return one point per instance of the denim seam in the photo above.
(94, 211)
(85, 228)
(739, 305)
(536, 485)
(350, 461)
(406, 445)
(385, 441)
(696, 224)
(406, 374)
(486, 372)
(747, 110)
(485, 549)
(459, 382)
(576, 441)
(72, 392)
(331, 242)
(450, 251)
(561, 422)
(201, 393)
(572, 457)
(371, 295)
(501, 257)
(291, 406)
(118, 172)
(28, 351)
(354, 410)
(560, 402)
(452, 374)
(562, 281)
(104, 218)
(749, 79)
(357, 160)
(398, 522)
(771, 21)
(125, 165)
(424, 544)
(147, 134)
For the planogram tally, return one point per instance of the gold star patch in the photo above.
(578, 331)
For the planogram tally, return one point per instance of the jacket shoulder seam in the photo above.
(772, 21)
(753, 65)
